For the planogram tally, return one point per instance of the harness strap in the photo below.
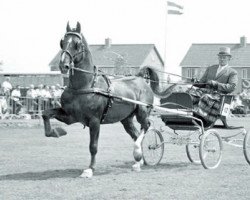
(99, 91)
(110, 100)
(95, 76)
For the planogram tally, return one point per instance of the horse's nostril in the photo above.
(67, 66)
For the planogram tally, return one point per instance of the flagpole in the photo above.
(165, 38)
(173, 9)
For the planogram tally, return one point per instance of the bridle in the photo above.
(72, 57)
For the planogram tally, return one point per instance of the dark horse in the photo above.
(88, 98)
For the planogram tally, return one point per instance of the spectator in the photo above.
(40, 91)
(6, 86)
(243, 94)
(55, 95)
(237, 107)
(15, 100)
(31, 99)
(31, 93)
(46, 97)
(46, 93)
(58, 91)
(3, 103)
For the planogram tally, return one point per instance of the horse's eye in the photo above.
(61, 43)
(78, 45)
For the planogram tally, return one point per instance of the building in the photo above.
(200, 56)
(122, 59)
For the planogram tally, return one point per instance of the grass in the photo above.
(35, 167)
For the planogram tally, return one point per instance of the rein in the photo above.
(72, 68)
(82, 70)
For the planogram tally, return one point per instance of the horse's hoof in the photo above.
(60, 131)
(136, 167)
(57, 132)
(87, 173)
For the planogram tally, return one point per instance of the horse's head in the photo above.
(74, 48)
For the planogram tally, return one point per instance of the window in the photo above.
(244, 73)
(191, 72)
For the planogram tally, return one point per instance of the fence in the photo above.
(20, 107)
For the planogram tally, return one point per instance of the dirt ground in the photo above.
(35, 167)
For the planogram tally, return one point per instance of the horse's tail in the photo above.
(160, 91)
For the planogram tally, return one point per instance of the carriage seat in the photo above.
(183, 101)
(179, 101)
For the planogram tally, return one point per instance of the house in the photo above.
(200, 56)
(125, 59)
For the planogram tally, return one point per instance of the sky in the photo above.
(31, 30)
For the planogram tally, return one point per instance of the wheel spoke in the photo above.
(152, 147)
(210, 149)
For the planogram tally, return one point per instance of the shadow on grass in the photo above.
(50, 174)
(125, 167)
(175, 166)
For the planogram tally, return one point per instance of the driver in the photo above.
(217, 80)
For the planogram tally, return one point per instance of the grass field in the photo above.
(35, 167)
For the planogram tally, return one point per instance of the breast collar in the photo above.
(93, 89)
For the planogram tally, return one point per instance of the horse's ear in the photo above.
(68, 29)
(78, 27)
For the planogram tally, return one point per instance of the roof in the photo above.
(134, 54)
(203, 55)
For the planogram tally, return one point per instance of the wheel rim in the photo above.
(193, 153)
(152, 147)
(211, 149)
(246, 147)
(192, 148)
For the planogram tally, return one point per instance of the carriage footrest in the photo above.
(183, 127)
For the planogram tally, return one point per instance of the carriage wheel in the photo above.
(210, 149)
(192, 151)
(246, 147)
(192, 148)
(152, 147)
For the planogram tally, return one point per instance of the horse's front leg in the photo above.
(60, 115)
(94, 129)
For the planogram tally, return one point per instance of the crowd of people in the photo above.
(30, 100)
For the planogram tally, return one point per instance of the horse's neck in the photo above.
(79, 79)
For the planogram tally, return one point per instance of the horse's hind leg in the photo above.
(134, 133)
(142, 117)
(130, 128)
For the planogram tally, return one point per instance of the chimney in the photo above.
(108, 43)
(243, 41)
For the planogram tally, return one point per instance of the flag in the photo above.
(170, 3)
(175, 9)
(174, 12)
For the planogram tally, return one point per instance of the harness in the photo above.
(95, 74)
(94, 90)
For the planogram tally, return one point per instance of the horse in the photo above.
(89, 97)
